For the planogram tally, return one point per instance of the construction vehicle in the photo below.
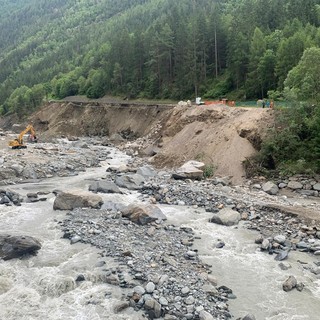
(18, 142)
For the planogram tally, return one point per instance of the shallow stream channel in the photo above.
(44, 286)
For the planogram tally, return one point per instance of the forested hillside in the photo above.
(153, 48)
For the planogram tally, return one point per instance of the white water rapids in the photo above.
(44, 287)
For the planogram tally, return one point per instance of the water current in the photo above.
(44, 286)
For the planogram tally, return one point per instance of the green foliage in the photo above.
(275, 95)
(219, 88)
(209, 170)
(293, 144)
(303, 80)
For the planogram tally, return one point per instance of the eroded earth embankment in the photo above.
(220, 136)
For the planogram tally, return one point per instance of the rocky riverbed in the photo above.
(160, 268)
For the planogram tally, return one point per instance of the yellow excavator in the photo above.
(18, 142)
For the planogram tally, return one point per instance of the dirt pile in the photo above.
(218, 135)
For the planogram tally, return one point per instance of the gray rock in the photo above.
(309, 193)
(213, 280)
(104, 187)
(157, 309)
(257, 186)
(249, 317)
(75, 239)
(163, 301)
(130, 181)
(163, 279)
(265, 244)
(316, 186)
(300, 286)
(143, 214)
(227, 217)
(4, 199)
(76, 199)
(190, 170)
(139, 290)
(280, 239)
(146, 171)
(316, 270)
(284, 265)
(210, 290)
(281, 255)
(150, 287)
(302, 245)
(113, 206)
(225, 181)
(170, 317)
(270, 188)
(191, 253)
(294, 185)
(204, 315)
(185, 291)
(116, 138)
(289, 284)
(149, 303)
(189, 300)
(120, 306)
(17, 246)
(17, 168)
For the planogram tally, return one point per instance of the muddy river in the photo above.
(44, 286)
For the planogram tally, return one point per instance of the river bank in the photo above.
(69, 281)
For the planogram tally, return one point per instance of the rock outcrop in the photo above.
(16, 246)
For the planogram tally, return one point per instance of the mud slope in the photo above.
(218, 135)
(91, 119)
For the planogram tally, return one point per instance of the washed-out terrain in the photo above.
(109, 234)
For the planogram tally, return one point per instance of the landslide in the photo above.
(218, 135)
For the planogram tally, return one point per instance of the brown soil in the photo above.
(220, 136)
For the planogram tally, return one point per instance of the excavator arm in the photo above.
(18, 142)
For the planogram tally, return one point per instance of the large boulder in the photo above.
(190, 170)
(130, 181)
(76, 199)
(294, 185)
(104, 187)
(226, 217)
(147, 171)
(143, 214)
(17, 246)
(270, 188)
(289, 284)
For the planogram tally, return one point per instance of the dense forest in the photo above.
(151, 48)
(160, 49)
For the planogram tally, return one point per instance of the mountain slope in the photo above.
(150, 48)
